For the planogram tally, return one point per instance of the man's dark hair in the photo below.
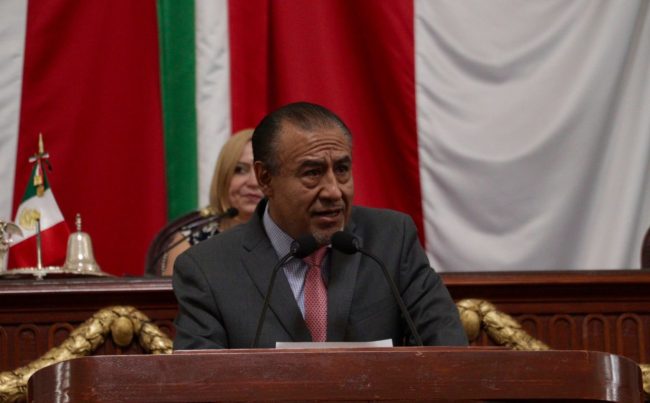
(305, 115)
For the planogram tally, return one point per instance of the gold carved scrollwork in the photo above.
(502, 328)
(122, 322)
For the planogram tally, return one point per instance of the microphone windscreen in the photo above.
(232, 212)
(345, 242)
(304, 246)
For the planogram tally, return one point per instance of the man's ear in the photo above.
(264, 177)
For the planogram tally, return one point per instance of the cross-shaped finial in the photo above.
(38, 159)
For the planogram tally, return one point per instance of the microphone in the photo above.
(230, 213)
(302, 247)
(349, 244)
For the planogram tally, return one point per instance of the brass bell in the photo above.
(80, 258)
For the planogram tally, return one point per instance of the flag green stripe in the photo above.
(178, 77)
(30, 190)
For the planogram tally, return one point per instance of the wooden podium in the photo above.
(379, 374)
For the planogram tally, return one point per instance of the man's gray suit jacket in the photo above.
(220, 286)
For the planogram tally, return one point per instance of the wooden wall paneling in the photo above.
(483, 340)
(630, 337)
(36, 315)
(600, 310)
(4, 348)
(596, 333)
(563, 332)
(533, 325)
(57, 333)
(28, 343)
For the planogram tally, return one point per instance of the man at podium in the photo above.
(365, 276)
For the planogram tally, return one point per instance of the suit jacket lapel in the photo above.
(259, 263)
(340, 289)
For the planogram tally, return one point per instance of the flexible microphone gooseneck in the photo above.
(302, 247)
(349, 244)
(230, 213)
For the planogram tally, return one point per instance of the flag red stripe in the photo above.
(249, 53)
(357, 58)
(91, 85)
(53, 248)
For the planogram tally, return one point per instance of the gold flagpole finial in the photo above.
(41, 147)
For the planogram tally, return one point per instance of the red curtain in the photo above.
(91, 86)
(354, 57)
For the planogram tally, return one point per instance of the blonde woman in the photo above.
(233, 186)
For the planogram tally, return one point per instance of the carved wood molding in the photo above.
(504, 330)
(122, 322)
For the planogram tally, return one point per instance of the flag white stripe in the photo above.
(533, 133)
(212, 87)
(13, 17)
(48, 210)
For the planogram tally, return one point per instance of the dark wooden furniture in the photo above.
(400, 374)
(578, 310)
(38, 315)
(571, 310)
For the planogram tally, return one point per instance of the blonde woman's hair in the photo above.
(225, 169)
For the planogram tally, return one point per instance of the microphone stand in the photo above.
(304, 246)
(267, 298)
(398, 298)
(349, 244)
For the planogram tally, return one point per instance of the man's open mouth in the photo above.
(327, 213)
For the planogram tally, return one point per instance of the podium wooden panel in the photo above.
(393, 374)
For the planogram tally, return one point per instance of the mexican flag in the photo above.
(38, 208)
(515, 134)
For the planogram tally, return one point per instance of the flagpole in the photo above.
(37, 205)
(39, 259)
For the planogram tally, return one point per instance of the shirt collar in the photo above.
(280, 240)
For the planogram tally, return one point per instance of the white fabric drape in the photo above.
(212, 88)
(13, 14)
(534, 132)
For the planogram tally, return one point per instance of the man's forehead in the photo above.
(294, 139)
(311, 127)
(337, 157)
